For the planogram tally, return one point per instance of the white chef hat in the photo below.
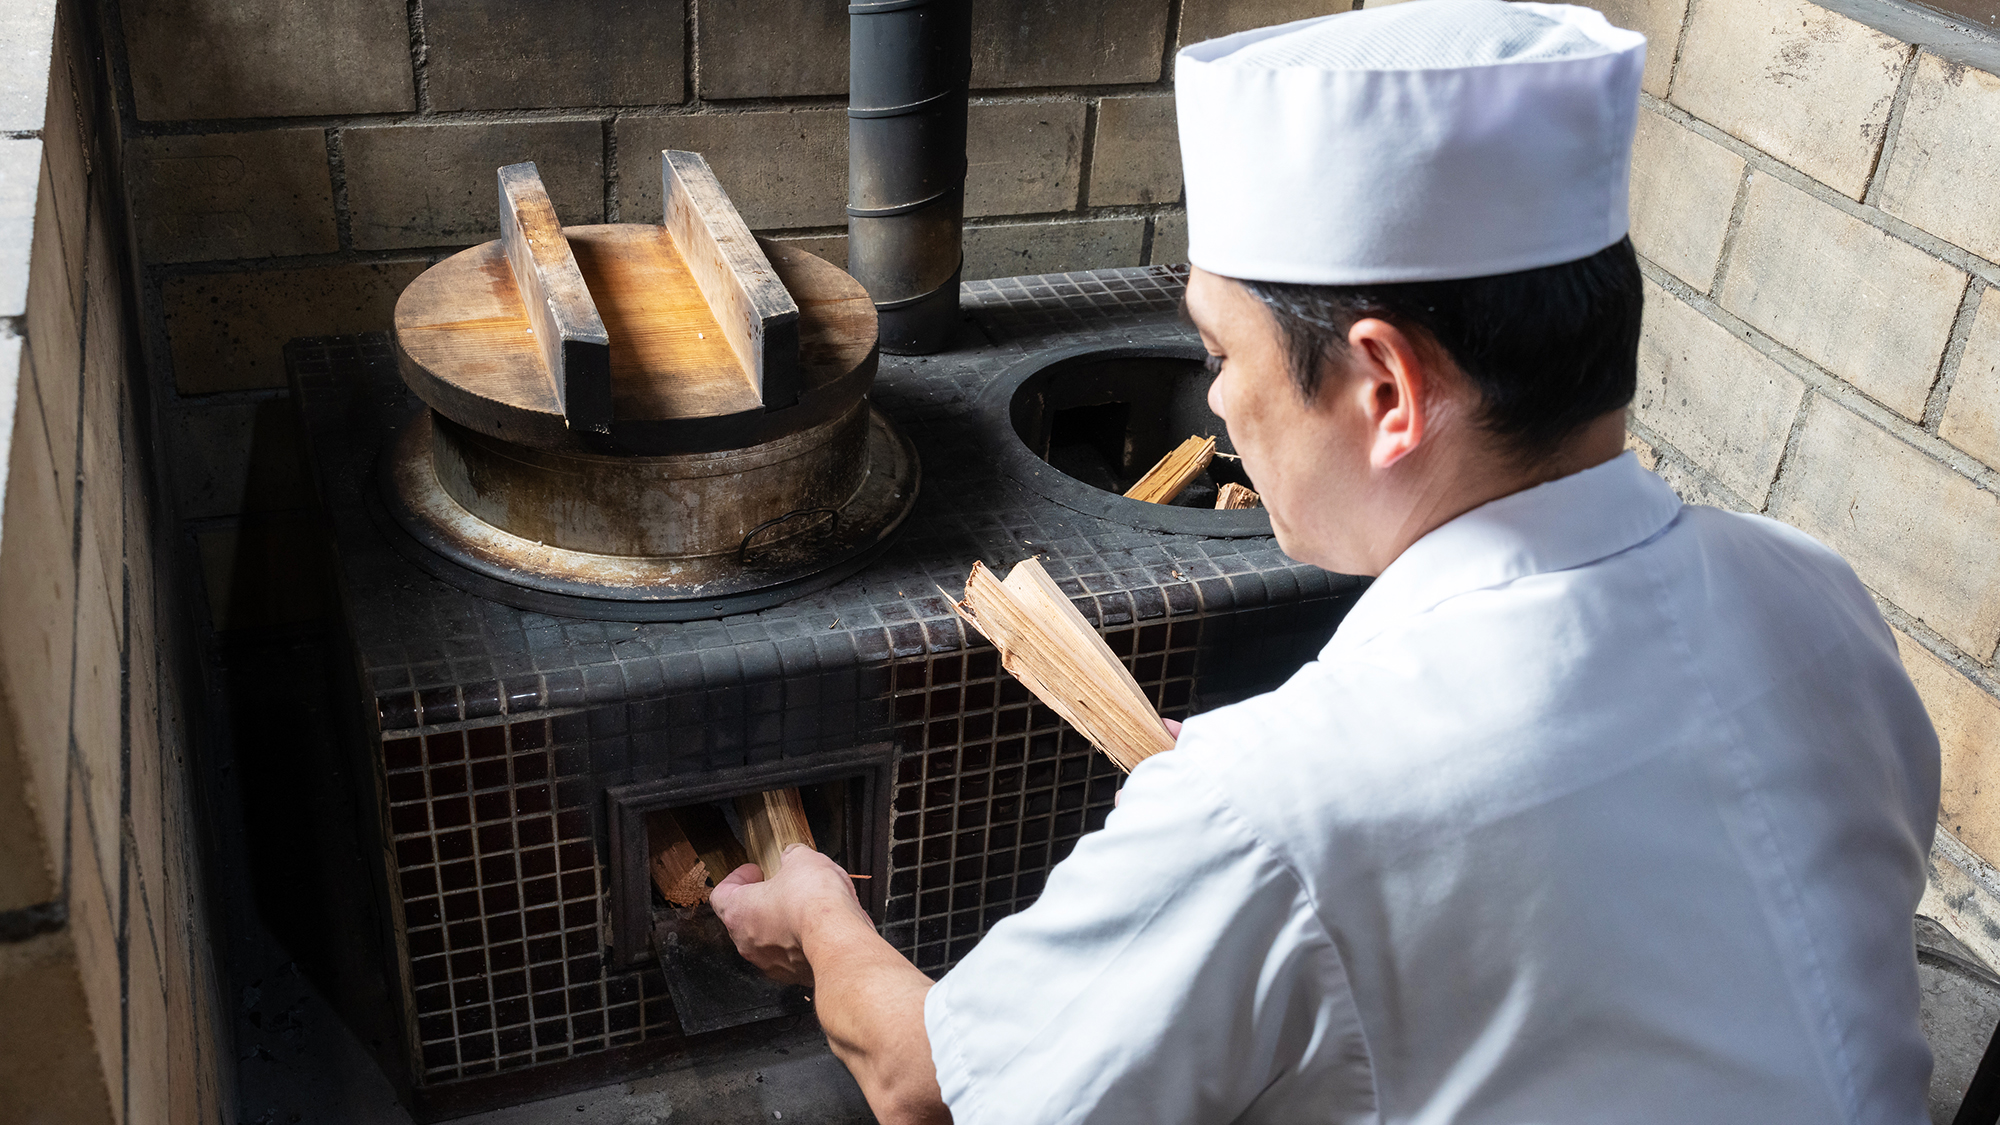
(1417, 142)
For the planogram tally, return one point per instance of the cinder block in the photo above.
(1683, 189)
(27, 874)
(48, 1056)
(268, 58)
(37, 614)
(1169, 239)
(1873, 310)
(148, 810)
(1660, 22)
(146, 1018)
(783, 168)
(1714, 397)
(184, 1043)
(1013, 249)
(1972, 413)
(1940, 175)
(1213, 19)
(1687, 483)
(239, 457)
(94, 723)
(832, 247)
(483, 55)
(772, 49)
(1968, 727)
(1136, 155)
(1918, 533)
(55, 338)
(227, 331)
(27, 36)
(20, 182)
(1806, 85)
(106, 409)
(66, 148)
(264, 573)
(434, 185)
(1023, 158)
(1067, 42)
(221, 196)
(93, 919)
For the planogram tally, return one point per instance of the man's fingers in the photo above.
(748, 873)
(736, 880)
(1173, 726)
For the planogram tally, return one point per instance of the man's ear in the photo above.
(1392, 377)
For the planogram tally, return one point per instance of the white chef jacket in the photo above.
(1596, 808)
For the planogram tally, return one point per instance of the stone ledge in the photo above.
(1932, 30)
(1962, 894)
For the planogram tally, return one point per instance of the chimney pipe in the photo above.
(909, 64)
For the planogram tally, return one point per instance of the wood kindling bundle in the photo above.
(678, 871)
(1174, 472)
(692, 847)
(772, 822)
(1052, 650)
(1233, 496)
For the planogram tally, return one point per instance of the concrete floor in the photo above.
(301, 1065)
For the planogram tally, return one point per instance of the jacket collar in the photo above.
(1566, 523)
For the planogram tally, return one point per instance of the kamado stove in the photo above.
(616, 537)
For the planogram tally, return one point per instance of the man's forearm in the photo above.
(870, 1001)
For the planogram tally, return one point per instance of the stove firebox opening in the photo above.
(673, 839)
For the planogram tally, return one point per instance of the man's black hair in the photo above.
(1548, 349)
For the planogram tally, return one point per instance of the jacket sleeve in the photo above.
(1173, 970)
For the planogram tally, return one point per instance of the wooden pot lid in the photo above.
(622, 304)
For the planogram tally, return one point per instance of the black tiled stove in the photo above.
(513, 752)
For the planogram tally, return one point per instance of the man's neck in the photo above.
(1445, 493)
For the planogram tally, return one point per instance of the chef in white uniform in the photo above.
(1596, 807)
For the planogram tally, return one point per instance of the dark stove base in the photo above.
(495, 732)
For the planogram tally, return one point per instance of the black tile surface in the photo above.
(500, 728)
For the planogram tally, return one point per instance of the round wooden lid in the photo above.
(464, 345)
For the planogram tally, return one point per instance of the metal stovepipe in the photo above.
(909, 64)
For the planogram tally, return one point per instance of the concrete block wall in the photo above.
(109, 1000)
(295, 164)
(1817, 212)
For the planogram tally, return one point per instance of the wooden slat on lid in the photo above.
(569, 334)
(670, 357)
(464, 322)
(759, 318)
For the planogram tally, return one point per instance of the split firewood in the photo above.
(772, 822)
(709, 833)
(677, 870)
(1175, 472)
(1052, 650)
(1232, 496)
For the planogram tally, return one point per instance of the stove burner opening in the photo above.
(1101, 417)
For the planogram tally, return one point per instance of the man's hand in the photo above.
(807, 927)
(767, 917)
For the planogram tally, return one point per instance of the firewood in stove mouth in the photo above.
(1171, 475)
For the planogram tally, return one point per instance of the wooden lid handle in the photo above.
(568, 330)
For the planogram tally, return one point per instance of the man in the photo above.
(1595, 807)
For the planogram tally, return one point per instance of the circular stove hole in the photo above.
(1107, 421)
(1100, 417)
